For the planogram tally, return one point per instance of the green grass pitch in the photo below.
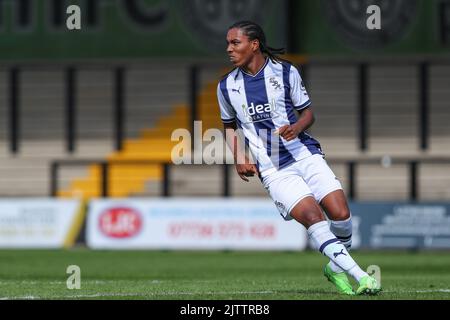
(41, 274)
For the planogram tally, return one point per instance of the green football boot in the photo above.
(369, 286)
(340, 280)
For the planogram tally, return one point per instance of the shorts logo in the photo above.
(281, 207)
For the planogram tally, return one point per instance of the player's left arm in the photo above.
(304, 122)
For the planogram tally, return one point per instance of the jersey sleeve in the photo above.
(227, 113)
(299, 96)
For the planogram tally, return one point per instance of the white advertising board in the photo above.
(38, 223)
(193, 223)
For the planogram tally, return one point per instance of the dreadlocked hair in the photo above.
(254, 32)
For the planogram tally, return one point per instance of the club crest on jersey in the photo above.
(274, 82)
(259, 112)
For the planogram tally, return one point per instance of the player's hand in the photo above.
(246, 170)
(288, 132)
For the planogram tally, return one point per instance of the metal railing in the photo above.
(104, 183)
(119, 74)
(350, 164)
(119, 107)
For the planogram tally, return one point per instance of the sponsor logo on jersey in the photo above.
(259, 112)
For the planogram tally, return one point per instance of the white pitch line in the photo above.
(417, 291)
(104, 295)
(96, 295)
(59, 282)
(181, 293)
(433, 291)
(21, 298)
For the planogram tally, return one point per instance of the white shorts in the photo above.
(307, 177)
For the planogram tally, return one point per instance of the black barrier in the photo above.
(351, 179)
(56, 165)
(166, 180)
(363, 106)
(352, 164)
(193, 101)
(226, 180)
(70, 109)
(413, 183)
(14, 83)
(423, 105)
(119, 107)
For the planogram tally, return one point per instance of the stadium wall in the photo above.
(132, 29)
(338, 28)
(209, 224)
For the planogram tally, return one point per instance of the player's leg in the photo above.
(336, 208)
(328, 192)
(294, 200)
(309, 214)
(326, 187)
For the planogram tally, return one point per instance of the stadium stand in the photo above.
(333, 92)
(440, 111)
(393, 109)
(157, 103)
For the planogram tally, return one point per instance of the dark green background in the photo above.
(316, 35)
(119, 37)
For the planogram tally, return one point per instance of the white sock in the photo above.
(329, 245)
(342, 229)
(334, 267)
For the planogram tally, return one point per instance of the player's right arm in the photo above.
(244, 167)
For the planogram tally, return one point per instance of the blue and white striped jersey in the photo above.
(262, 103)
